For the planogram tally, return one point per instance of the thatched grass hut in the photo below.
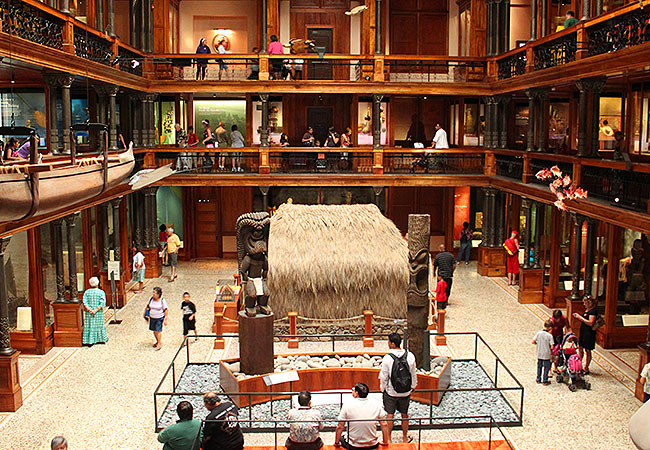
(334, 261)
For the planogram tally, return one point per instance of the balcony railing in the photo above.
(32, 23)
(434, 69)
(512, 65)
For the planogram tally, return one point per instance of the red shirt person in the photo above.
(511, 246)
(560, 323)
(441, 293)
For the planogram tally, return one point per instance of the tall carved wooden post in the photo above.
(597, 86)
(578, 220)
(264, 31)
(417, 296)
(138, 232)
(104, 226)
(117, 248)
(503, 106)
(378, 32)
(590, 255)
(540, 209)
(66, 104)
(99, 15)
(112, 120)
(144, 120)
(526, 206)
(533, 20)
(11, 394)
(582, 117)
(150, 125)
(70, 222)
(491, 260)
(110, 12)
(57, 241)
(586, 9)
(501, 219)
(65, 6)
(490, 122)
(136, 106)
(150, 248)
(531, 120)
(376, 119)
(264, 132)
(52, 81)
(531, 278)
(542, 117)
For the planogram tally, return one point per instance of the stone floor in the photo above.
(101, 397)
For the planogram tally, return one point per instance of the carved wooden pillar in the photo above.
(376, 116)
(489, 141)
(112, 93)
(52, 81)
(137, 121)
(583, 115)
(417, 296)
(504, 103)
(539, 232)
(138, 216)
(264, 37)
(492, 217)
(117, 247)
(526, 206)
(65, 6)
(542, 96)
(586, 9)
(533, 20)
(105, 244)
(578, 220)
(599, 7)
(531, 120)
(264, 132)
(543, 14)
(378, 27)
(66, 104)
(597, 85)
(501, 219)
(110, 12)
(589, 254)
(99, 15)
(70, 222)
(150, 125)
(5, 335)
(57, 241)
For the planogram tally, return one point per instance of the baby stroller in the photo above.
(569, 363)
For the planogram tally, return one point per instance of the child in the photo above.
(560, 326)
(138, 268)
(189, 316)
(441, 293)
(544, 341)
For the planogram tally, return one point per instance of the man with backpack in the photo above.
(397, 378)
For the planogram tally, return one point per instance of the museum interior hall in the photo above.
(306, 224)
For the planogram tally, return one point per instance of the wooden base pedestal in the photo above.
(120, 287)
(11, 394)
(574, 306)
(644, 358)
(256, 343)
(531, 286)
(68, 324)
(491, 262)
(152, 262)
(229, 311)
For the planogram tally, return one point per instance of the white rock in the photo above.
(302, 358)
(332, 363)
(301, 365)
(366, 356)
(366, 364)
(235, 367)
(315, 364)
(281, 360)
(284, 367)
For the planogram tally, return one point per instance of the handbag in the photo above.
(147, 312)
(598, 323)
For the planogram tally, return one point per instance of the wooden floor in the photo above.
(467, 445)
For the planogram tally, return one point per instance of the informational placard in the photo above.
(638, 320)
(282, 377)
(114, 270)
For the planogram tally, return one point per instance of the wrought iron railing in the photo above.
(33, 24)
(510, 166)
(410, 69)
(556, 52)
(433, 163)
(512, 65)
(619, 32)
(333, 161)
(129, 61)
(89, 46)
(622, 188)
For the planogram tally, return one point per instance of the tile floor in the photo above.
(101, 397)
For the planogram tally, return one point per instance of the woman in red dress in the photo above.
(512, 257)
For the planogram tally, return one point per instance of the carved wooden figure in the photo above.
(417, 296)
(252, 242)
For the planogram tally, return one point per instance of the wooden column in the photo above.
(578, 220)
(52, 81)
(531, 120)
(376, 119)
(293, 330)
(57, 244)
(526, 206)
(66, 104)
(542, 113)
(368, 341)
(256, 343)
(589, 255)
(264, 132)
(112, 94)
(70, 222)
(531, 278)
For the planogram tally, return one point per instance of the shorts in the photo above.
(138, 276)
(400, 404)
(442, 305)
(156, 324)
(188, 325)
(173, 259)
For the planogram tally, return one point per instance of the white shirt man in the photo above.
(364, 413)
(393, 400)
(440, 138)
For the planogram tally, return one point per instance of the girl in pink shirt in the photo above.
(275, 48)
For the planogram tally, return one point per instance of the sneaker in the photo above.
(466, 263)
(547, 383)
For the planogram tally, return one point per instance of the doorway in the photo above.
(320, 119)
(323, 38)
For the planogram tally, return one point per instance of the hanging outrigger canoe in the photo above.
(29, 189)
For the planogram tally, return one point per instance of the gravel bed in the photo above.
(451, 410)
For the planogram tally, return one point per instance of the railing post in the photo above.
(441, 339)
(582, 41)
(379, 68)
(378, 161)
(530, 59)
(68, 37)
(368, 341)
(149, 160)
(526, 175)
(148, 70)
(219, 342)
(293, 329)
(577, 173)
(490, 167)
(264, 167)
(264, 67)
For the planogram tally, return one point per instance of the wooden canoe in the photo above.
(59, 185)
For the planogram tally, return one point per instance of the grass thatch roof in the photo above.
(334, 261)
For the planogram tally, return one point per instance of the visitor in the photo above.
(184, 434)
(156, 313)
(346, 141)
(11, 148)
(560, 326)
(284, 140)
(298, 65)
(620, 150)
(466, 235)
(587, 339)
(570, 19)
(221, 430)
(138, 269)
(94, 301)
(19, 151)
(511, 247)
(397, 378)
(275, 48)
(222, 142)
(441, 293)
(162, 239)
(444, 264)
(415, 133)
(346, 138)
(59, 443)
(255, 65)
(221, 49)
(121, 144)
(304, 425)
(365, 413)
(440, 138)
(544, 341)
(645, 372)
(333, 138)
(173, 244)
(192, 138)
(208, 138)
(236, 141)
(308, 138)
(189, 316)
(202, 64)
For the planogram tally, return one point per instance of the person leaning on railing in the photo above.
(304, 425)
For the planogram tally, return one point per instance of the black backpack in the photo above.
(400, 375)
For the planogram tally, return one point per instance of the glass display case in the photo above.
(16, 260)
